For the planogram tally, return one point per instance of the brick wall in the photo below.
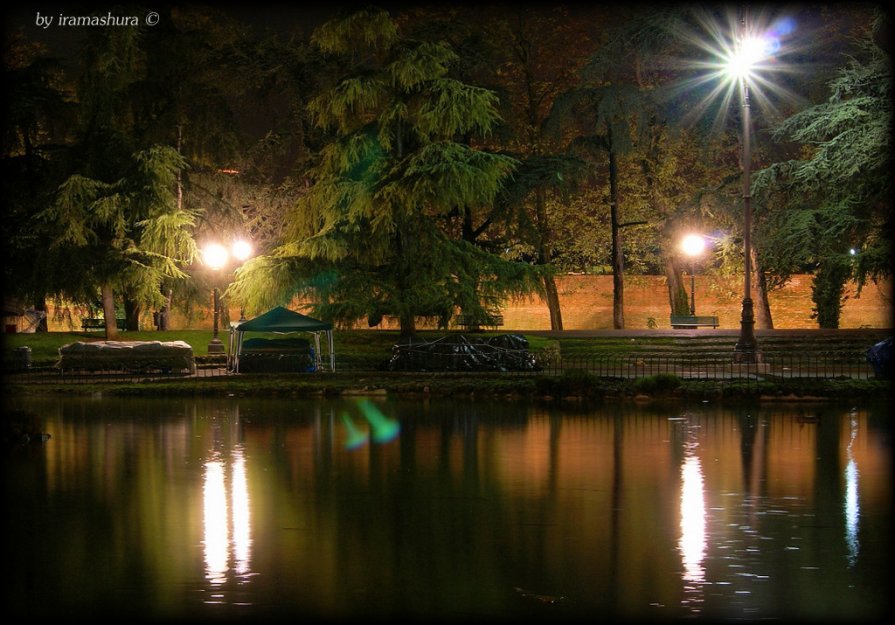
(587, 304)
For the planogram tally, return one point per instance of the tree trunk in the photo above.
(553, 303)
(618, 263)
(132, 315)
(677, 292)
(109, 311)
(408, 326)
(544, 253)
(179, 170)
(674, 278)
(163, 313)
(403, 308)
(40, 304)
(762, 305)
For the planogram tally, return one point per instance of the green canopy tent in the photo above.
(281, 321)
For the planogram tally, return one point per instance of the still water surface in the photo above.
(350, 510)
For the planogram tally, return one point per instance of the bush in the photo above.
(659, 383)
(572, 382)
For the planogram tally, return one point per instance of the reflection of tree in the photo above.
(470, 502)
(828, 464)
(615, 540)
(748, 426)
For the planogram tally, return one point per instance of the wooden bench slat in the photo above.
(492, 321)
(100, 324)
(693, 321)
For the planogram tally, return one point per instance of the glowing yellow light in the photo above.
(692, 543)
(215, 255)
(242, 526)
(693, 245)
(216, 530)
(242, 250)
(747, 55)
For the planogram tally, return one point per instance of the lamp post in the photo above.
(693, 246)
(242, 251)
(747, 53)
(216, 256)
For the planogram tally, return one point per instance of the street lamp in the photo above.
(693, 245)
(748, 52)
(216, 256)
(242, 251)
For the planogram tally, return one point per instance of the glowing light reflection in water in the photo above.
(851, 504)
(225, 517)
(714, 515)
(692, 543)
(242, 529)
(216, 530)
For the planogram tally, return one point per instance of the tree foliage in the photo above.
(831, 208)
(370, 236)
(115, 213)
(37, 114)
(405, 165)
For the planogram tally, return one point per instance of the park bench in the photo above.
(681, 322)
(473, 323)
(100, 324)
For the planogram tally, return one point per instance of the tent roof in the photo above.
(282, 320)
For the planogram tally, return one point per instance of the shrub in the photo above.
(659, 383)
(571, 382)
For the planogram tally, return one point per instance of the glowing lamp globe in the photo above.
(215, 255)
(693, 245)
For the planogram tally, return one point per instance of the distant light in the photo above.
(852, 251)
(215, 255)
(693, 245)
(242, 250)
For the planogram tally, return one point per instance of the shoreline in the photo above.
(569, 388)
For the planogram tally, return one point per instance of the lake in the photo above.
(367, 509)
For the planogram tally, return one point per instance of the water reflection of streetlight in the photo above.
(851, 504)
(215, 522)
(693, 245)
(693, 539)
(692, 543)
(226, 513)
(216, 256)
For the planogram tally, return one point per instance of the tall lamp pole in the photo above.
(693, 245)
(216, 346)
(748, 51)
(217, 256)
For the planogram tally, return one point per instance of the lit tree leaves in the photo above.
(836, 198)
(398, 165)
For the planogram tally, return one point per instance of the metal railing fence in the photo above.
(790, 366)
